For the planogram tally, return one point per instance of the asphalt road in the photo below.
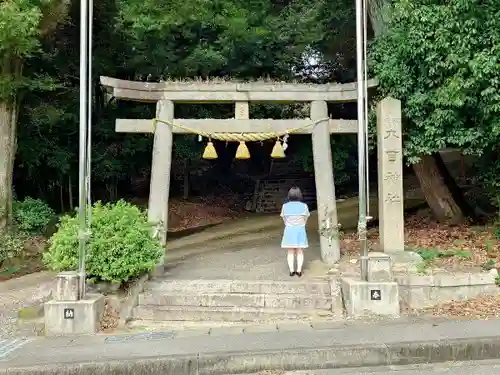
(451, 368)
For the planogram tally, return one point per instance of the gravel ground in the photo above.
(19, 297)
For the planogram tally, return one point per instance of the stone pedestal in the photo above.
(390, 175)
(66, 314)
(368, 299)
(74, 317)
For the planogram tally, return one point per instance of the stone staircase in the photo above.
(236, 301)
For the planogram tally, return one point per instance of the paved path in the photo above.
(249, 248)
(351, 341)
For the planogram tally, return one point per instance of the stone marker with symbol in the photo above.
(69, 313)
(375, 295)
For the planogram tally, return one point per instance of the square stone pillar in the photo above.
(67, 286)
(379, 267)
(323, 175)
(390, 175)
(160, 170)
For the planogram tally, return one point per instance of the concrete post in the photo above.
(323, 174)
(67, 286)
(390, 175)
(160, 170)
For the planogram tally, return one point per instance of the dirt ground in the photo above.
(454, 248)
(188, 214)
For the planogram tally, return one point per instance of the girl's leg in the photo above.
(290, 259)
(300, 261)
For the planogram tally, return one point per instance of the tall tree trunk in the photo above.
(8, 121)
(377, 14)
(436, 192)
(455, 190)
(70, 194)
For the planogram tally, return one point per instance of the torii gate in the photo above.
(166, 94)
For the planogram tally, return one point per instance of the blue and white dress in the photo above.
(295, 215)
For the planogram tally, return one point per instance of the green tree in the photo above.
(22, 24)
(442, 60)
(199, 38)
(161, 39)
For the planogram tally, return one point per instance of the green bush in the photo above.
(11, 245)
(32, 215)
(120, 245)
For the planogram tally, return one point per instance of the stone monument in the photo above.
(390, 175)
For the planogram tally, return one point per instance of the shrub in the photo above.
(11, 245)
(120, 245)
(32, 215)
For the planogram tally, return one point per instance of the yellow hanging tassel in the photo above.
(242, 151)
(210, 153)
(278, 151)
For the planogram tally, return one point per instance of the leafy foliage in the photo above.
(32, 215)
(442, 60)
(120, 245)
(11, 245)
(19, 31)
(219, 38)
(489, 168)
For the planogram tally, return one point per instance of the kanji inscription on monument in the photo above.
(393, 198)
(390, 171)
(393, 124)
(392, 176)
(392, 156)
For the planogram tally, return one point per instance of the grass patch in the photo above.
(9, 271)
(430, 255)
(30, 313)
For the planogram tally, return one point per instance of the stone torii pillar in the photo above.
(160, 171)
(323, 175)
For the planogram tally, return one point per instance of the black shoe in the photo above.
(292, 274)
(299, 274)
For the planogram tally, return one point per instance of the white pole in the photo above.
(361, 141)
(82, 233)
(365, 89)
(89, 118)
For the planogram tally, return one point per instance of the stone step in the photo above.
(274, 301)
(224, 314)
(203, 328)
(306, 288)
(207, 326)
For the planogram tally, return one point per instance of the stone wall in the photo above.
(423, 291)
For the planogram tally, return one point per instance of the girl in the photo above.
(295, 214)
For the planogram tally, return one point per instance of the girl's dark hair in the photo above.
(294, 194)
